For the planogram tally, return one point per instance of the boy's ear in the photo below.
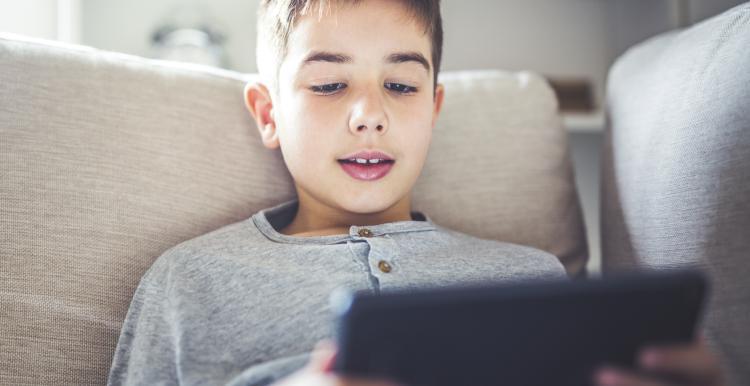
(258, 102)
(438, 102)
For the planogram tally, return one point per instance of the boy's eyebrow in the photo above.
(323, 56)
(401, 57)
(398, 57)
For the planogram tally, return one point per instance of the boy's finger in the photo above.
(322, 356)
(613, 377)
(694, 361)
(349, 381)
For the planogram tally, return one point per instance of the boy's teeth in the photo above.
(363, 161)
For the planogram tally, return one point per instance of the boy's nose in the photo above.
(368, 113)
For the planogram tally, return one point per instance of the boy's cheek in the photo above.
(315, 107)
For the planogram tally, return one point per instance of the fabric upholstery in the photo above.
(676, 171)
(107, 160)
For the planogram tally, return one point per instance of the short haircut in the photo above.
(276, 18)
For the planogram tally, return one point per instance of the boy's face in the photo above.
(357, 79)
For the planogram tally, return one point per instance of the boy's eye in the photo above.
(328, 88)
(400, 88)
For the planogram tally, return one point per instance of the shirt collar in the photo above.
(270, 219)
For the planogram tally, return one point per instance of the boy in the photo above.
(348, 92)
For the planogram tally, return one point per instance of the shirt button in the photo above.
(384, 266)
(364, 232)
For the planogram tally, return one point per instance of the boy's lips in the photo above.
(367, 171)
(367, 165)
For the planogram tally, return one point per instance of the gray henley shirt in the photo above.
(245, 304)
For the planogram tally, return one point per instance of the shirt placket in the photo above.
(381, 257)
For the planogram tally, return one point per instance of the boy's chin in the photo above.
(366, 208)
(365, 203)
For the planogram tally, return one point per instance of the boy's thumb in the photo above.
(323, 356)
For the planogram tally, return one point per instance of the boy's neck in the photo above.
(314, 218)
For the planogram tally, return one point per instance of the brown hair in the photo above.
(276, 19)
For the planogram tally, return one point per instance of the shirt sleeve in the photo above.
(149, 349)
(146, 349)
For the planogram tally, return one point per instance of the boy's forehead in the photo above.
(377, 29)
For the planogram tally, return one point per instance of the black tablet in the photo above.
(534, 333)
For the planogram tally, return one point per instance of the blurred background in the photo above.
(571, 42)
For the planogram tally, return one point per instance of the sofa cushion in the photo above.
(107, 160)
(676, 182)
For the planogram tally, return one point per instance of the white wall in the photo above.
(69, 21)
(127, 26)
(558, 38)
(702, 9)
(37, 18)
(632, 21)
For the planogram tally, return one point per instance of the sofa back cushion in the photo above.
(107, 160)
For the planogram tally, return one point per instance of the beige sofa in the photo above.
(107, 160)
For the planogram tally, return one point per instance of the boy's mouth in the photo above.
(367, 171)
(367, 165)
(366, 162)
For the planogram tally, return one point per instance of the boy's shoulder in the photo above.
(232, 239)
(462, 239)
(522, 255)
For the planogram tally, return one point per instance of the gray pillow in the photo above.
(676, 173)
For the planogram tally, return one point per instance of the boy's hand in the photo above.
(692, 364)
(317, 372)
